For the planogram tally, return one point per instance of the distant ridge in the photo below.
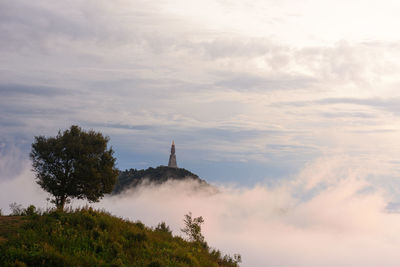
(133, 177)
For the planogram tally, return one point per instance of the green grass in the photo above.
(87, 237)
(9, 225)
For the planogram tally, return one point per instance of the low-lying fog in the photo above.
(326, 216)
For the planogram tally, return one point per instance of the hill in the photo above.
(87, 237)
(132, 177)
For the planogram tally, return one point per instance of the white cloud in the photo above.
(329, 214)
(339, 220)
(22, 189)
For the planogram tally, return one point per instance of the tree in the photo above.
(74, 164)
(193, 228)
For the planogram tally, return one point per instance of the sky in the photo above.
(257, 95)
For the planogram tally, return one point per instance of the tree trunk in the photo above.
(60, 203)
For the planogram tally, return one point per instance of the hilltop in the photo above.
(86, 237)
(132, 177)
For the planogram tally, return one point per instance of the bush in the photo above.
(163, 227)
(140, 225)
(31, 210)
(16, 209)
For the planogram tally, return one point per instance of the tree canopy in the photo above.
(74, 164)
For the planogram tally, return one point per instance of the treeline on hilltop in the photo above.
(133, 177)
(87, 237)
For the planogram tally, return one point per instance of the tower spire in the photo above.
(172, 157)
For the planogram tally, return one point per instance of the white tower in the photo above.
(172, 157)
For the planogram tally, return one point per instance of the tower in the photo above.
(172, 157)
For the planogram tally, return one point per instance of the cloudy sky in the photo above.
(253, 92)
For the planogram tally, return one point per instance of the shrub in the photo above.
(16, 209)
(140, 225)
(31, 210)
(163, 227)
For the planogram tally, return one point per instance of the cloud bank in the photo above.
(327, 215)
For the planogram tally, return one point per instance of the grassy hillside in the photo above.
(87, 237)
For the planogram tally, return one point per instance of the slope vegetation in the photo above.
(87, 237)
